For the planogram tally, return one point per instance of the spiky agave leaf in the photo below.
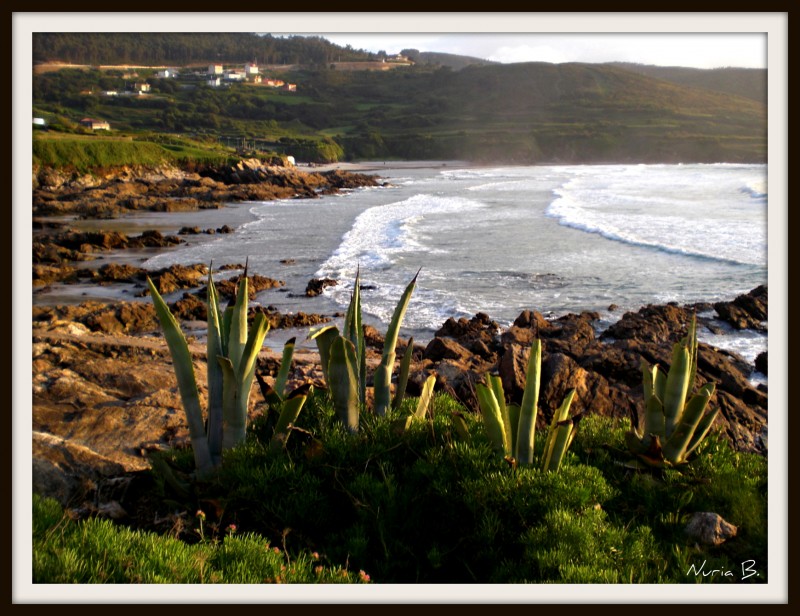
(425, 397)
(402, 379)
(493, 421)
(324, 337)
(495, 383)
(523, 450)
(187, 385)
(237, 336)
(235, 417)
(558, 447)
(558, 436)
(343, 383)
(354, 332)
(383, 374)
(289, 414)
(675, 449)
(676, 388)
(214, 348)
(286, 363)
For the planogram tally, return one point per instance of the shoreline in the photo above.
(235, 215)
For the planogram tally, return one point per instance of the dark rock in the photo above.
(315, 286)
(446, 348)
(112, 272)
(761, 362)
(746, 311)
(255, 284)
(651, 324)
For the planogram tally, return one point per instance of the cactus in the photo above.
(232, 349)
(511, 428)
(673, 426)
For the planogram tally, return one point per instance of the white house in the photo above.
(215, 69)
(95, 124)
(235, 75)
(251, 68)
(166, 73)
(214, 82)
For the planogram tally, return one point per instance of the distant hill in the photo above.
(747, 82)
(187, 48)
(454, 61)
(525, 113)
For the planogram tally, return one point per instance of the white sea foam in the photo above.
(381, 233)
(697, 213)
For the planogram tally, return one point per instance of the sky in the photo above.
(697, 50)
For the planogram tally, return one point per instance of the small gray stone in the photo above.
(709, 528)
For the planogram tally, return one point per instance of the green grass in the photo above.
(95, 551)
(428, 505)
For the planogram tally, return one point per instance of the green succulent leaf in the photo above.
(286, 363)
(343, 384)
(676, 388)
(402, 380)
(528, 410)
(675, 449)
(383, 376)
(187, 385)
(493, 421)
(324, 337)
(425, 397)
(214, 348)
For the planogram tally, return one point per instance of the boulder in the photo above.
(709, 528)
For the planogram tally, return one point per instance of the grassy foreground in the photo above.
(430, 502)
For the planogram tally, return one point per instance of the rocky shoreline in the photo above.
(103, 389)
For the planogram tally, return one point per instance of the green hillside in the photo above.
(748, 82)
(518, 113)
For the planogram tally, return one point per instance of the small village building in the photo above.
(141, 88)
(290, 87)
(166, 74)
(110, 93)
(257, 78)
(235, 75)
(214, 82)
(251, 68)
(95, 124)
(215, 69)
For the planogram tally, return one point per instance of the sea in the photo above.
(503, 239)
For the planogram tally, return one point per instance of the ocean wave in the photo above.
(382, 232)
(664, 233)
(757, 189)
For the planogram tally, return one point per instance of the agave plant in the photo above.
(344, 363)
(673, 426)
(232, 350)
(512, 428)
(285, 406)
